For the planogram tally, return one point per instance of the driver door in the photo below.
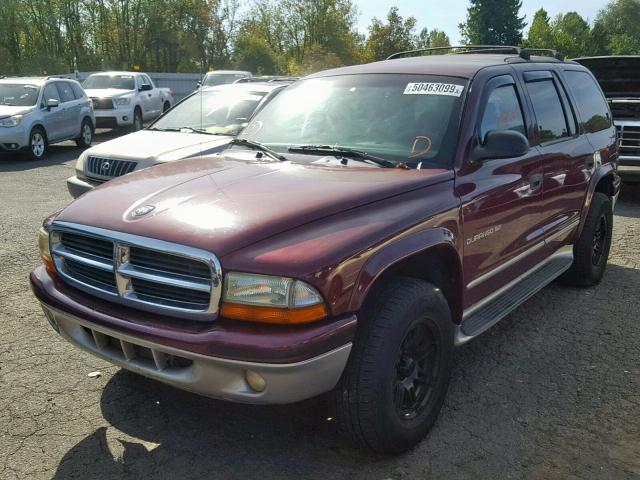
(500, 198)
(52, 118)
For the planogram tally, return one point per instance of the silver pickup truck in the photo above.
(126, 99)
(619, 77)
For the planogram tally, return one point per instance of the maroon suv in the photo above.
(366, 222)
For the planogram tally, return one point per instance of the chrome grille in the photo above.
(103, 169)
(629, 140)
(141, 272)
(102, 103)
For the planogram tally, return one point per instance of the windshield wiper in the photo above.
(243, 142)
(182, 129)
(344, 152)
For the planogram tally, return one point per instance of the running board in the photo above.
(506, 300)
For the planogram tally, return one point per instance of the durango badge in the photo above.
(142, 211)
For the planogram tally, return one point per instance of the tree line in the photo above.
(292, 37)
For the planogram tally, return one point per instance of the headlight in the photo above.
(123, 101)
(11, 121)
(261, 298)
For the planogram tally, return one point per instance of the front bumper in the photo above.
(118, 117)
(295, 363)
(14, 138)
(78, 186)
(210, 376)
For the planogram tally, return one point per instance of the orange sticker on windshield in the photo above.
(426, 144)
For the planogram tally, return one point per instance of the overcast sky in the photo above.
(447, 14)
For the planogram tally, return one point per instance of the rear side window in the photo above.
(552, 122)
(592, 106)
(66, 92)
(77, 90)
(503, 112)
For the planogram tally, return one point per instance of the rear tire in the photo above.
(591, 251)
(86, 134)
(397, 376)
(37, 143)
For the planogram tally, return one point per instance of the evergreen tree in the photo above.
(540, 34)
(493, 22)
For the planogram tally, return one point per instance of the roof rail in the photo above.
(524, 53)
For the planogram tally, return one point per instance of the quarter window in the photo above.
(592, 106)
(551, 118)
(77, 90)
(503, 112)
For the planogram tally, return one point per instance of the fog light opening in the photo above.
(255, 381)
(125, 118)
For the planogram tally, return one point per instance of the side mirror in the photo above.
(501, 144)
(53, 103)
(145, 87)
(199, 84)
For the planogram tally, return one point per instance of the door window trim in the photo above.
(491, 85)
(534, 76)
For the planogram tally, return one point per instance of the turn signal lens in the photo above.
(45, 252)
(275, 315)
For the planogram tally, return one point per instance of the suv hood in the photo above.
(156, 147)
(9, 111)
(107, 92)
(619, 77)
(224, 203)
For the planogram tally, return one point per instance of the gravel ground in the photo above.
(553, 392)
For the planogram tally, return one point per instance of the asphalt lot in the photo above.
(553, 392)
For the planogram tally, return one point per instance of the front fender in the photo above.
(399, 250)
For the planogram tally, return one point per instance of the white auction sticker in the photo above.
(450, 89)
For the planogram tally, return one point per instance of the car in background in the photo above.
(619, 78)
(223, 77)
(36, 112)
(126, 99)
(202, 124)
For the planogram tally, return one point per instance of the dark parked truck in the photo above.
(619, 77)
(367, 221)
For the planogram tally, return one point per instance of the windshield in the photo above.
(18, 95)
(119, 82)
(406, 119)
(214, 111)
(213, 79)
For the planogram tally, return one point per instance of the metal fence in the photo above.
(181, 84)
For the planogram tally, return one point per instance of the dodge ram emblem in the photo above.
(141, 211)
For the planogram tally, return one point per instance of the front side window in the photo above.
(552, 122)
(405, 119)
(19, 94)
(502, 112)
(591, 104)
(118, 82)
(50, 93)
(212, 111)
(66, 92)
(77, 90)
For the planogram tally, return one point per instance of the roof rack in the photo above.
(524, 53)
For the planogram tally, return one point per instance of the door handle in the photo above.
(528, 189)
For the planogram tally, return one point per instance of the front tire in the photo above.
(137, 120)
(591, 251)
(86, 135)
(166, 107)
(37, 144)
(397, 376)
